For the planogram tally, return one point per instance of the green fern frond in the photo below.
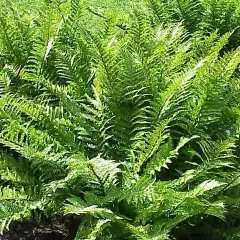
(151, 144)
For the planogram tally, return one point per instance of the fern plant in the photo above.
(133, 130)
(204, 16)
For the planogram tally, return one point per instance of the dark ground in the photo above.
(56, 230)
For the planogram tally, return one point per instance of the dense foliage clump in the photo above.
(127, 120)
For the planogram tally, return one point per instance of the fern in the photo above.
(132, 124)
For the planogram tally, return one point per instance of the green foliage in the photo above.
(128, 123)
(204, 16)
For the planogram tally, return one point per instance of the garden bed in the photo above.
(49, 230)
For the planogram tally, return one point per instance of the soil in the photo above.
(54, 230)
